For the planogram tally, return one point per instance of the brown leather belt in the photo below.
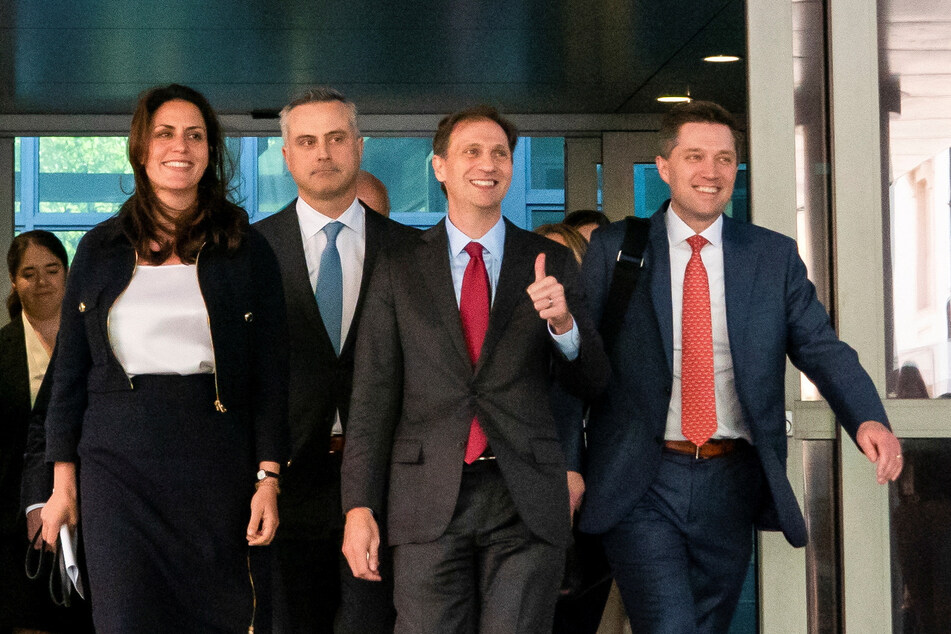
(709, 449)
(336, 443)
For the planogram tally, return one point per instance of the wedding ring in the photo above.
(550, 302)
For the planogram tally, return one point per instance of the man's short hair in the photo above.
(320, 94)
(694, 112)
(482, 111)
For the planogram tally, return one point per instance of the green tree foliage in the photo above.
(84, 155)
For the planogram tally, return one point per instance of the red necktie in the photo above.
(474, 310)
(698, 415)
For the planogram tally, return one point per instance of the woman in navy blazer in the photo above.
(168, 455)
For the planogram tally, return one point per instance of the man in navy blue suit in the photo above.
(687, 448)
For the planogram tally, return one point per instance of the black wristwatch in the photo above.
(262, 474)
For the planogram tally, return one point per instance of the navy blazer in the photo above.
(242, 291)
(14, 417)
(772, 312)
(416, 392)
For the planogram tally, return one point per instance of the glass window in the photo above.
(83, 174)
(276, 188)
(916, 142)
(69, 184)
(16, 176)
(920, 511)
(547, 163)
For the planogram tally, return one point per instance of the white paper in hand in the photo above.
(67, 539)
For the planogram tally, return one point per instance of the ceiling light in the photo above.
(720, 59)
(674, 99)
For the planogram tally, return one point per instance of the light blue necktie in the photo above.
(329, 291)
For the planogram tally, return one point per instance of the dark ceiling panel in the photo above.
(561, 56)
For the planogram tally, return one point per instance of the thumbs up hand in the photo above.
(548, 296)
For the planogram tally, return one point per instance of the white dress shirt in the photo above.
(352, 245)
(729, 415)
(493, 249)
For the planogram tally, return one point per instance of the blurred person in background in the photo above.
(37, 262)
(586, 221)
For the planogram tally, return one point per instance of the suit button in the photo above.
(249, 317)
(461, 444)
(667, 390)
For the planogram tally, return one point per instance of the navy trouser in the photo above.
(681, 555)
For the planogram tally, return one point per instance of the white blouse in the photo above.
(159, 324)
(37, 358)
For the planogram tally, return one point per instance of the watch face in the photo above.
(261, 474)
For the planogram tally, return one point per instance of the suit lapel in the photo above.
(660, 283)
(434, 269)
(739, 267)
(374, 228)
(294, 266)
(515, 276)
(14, 366)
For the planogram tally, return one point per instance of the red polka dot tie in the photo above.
(698, 417)
(474, 311)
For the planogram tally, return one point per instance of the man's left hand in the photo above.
(548, 296)
(881, 447)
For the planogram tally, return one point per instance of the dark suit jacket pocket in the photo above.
(408, 451)
(547, 451)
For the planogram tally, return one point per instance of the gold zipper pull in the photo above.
(220, 406)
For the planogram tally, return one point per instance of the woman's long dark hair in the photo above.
(215, 220)
(18, 247)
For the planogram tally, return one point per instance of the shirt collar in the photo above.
(312, 221)
(493, 240)
(678, 231)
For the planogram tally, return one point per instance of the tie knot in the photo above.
(332, 229)
(697, 242)
(474, 249)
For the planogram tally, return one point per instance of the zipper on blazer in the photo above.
(218, 404)
(254, 595)
(112, 348)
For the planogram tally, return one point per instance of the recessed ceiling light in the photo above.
(720, 59)
(674, 99)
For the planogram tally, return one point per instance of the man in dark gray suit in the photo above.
(451, 402)
(324, 239)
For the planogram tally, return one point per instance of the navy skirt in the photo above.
(165, 487)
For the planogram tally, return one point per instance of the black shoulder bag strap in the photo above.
(630, 261)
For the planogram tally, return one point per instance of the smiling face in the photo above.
(476, 169)
(700, 171)
(178, 153)
(39, 282)
(323, 151)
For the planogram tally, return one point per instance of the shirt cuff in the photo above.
(33, 507)
(569, 342)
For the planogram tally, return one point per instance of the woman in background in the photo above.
(587, 580)
(38, 264)
(170, 387)
(565, 236)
